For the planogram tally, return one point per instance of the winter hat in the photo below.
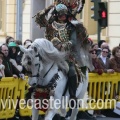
(12, 44)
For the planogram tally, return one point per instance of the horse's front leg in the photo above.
(35, 114)
(50, 115)
(53, 107)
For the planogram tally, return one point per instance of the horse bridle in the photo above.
(37, 75)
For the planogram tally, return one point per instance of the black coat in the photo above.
(9, 68)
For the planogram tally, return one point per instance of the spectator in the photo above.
(13, 50)
(115, 64)
(20, 53)
(9, 39)
(106, 64)
(10, 70)
(98, 50)
(95, 46)
(96, 63)
(104, 61)
(27, 43)
(100, 43)
(2, 67)
(105, 45)
(99, 47)
(115, 60)
(97, 69)
(13, 54)
(18, 42)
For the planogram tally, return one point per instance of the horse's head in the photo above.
(39, 54)
(32, 62)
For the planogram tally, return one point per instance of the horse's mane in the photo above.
(48, 52)
(46, 49)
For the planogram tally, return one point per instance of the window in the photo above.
(2, 15)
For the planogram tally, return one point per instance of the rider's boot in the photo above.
(72, 83)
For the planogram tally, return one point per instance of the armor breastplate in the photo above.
(61, 31)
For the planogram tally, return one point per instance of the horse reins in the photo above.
(48, 70)
(40, 58)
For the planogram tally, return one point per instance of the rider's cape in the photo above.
(81, 46)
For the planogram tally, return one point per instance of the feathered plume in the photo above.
(74, 6)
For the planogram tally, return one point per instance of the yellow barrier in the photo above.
(102, 90)
(8, 96)
(23, 86)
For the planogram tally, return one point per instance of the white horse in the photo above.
(45, 61)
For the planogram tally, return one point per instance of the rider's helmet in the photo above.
(61, 9)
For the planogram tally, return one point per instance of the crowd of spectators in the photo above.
(10, 58)
(104, 60)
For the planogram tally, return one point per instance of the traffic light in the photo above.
(103, 17)
(95, 8)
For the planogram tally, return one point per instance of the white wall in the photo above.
(26, 20)
(114, 23)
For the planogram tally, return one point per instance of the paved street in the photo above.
(112, 116)
(108, 118)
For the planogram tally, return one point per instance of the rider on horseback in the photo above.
(67, 34)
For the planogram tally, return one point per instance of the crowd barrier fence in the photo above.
(102, 92)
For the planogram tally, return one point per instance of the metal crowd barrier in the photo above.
(23, 86)
(102, 91)
(8, 95)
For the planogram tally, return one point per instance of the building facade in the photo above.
(31, 31)
(8, 19)
(114, 22)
